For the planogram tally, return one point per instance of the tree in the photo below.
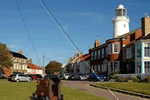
(5, 56)
(52, 67)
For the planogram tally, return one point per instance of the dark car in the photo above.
(80, 76)
(38, 76)
(71, 77)
(10, 76)
(93, 77)
(32, 76)
(49, 76)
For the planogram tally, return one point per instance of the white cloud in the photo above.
(13, 46)
(16, 41)
(86, 13)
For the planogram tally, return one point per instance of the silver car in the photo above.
(20, 77)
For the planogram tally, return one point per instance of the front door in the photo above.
(109, 68)
(138, 67)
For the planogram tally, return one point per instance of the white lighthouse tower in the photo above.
(120, 22)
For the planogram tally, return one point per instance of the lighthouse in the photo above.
(120, 22)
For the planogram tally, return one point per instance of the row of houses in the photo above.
(21, 64)
(127, 52)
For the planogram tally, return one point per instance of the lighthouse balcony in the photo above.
(121, 17)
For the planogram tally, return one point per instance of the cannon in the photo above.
(48, 88)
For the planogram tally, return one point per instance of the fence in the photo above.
(141, 76)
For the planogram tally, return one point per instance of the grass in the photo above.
(134, 87)
(3, 80)
(24, 90)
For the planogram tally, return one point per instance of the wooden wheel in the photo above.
(34, 96)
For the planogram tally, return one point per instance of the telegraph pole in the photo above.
(43, 61)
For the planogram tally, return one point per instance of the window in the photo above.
(92, 56)
(109, 48)
(23, 67)
(103, 53)
(15, 59)
(147, 49)
(24, 61)
(106, 51)
(95, 69)
(95, 54)
(124, 25)
(98, 67)
(116, 65)
(129, 52)
(99, 52)
(115, 47)
(138, 46)
(102, 69)
(17, 66)
(14, 66)
(147, 66)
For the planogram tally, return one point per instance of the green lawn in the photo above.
(24, 90)
(3, 80)
(134, 87)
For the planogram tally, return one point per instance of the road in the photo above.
(84, 86)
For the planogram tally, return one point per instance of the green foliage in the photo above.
(147, 79)
(52, 67)
(135, 79)
(121, 79)
(130, 81)
(113, 74)
(5, 56)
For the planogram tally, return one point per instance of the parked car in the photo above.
(93, 77)
(80, 77)
(32, 76)
(65, 76)
(49, 76)
(38, 76)
(71, 77)
(10, 76)
(20, 77)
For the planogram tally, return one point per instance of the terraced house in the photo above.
(127, 52)
(19, 62)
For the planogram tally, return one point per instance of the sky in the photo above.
(83, 20)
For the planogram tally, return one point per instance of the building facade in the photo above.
(19, 62)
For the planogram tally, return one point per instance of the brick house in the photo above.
(19, 62)
(127, 53)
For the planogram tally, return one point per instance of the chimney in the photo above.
(97, 43)
(30, 61)
(75, 56)
(81, 53)
(20, 51)
(145, 25)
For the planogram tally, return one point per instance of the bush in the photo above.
(147, 79)
(130, 81)
(136, 79)
(127, 79)
(121, 79)
(113, 75)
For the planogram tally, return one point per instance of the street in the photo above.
(84, 86)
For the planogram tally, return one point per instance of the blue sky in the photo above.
(81, 19)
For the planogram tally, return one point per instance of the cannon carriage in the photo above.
(48, 89)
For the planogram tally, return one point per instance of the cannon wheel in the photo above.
(34, 96)
(46, 98)
(62, 97)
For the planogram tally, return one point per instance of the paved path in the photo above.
(84, 86)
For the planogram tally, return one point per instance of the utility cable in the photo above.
(72, 43)
(27, 31)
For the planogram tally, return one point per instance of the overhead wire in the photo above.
(72, 43)
(27, 31)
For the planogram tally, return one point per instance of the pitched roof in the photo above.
(146, 37)
(15, 54)
(32, 66)
(84, 57)
(131, 32)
